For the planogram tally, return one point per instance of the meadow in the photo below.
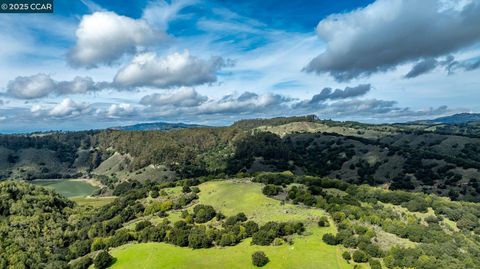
(231, 197)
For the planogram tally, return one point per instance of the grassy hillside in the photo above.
(306, 252)
(231, 197)
(298, 222)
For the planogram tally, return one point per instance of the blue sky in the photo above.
(94, 64)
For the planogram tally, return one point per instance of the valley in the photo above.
(303, 192)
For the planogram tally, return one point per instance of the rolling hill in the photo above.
(454, 119)
(157, 126)
(418, 157)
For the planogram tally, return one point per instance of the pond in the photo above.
(67, 187)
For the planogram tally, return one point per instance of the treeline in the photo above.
(360, 208)
(254, 123)
(239, 149)
(189, 152)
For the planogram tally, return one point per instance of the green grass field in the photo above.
(232, 197)
(93, 201)
(68, 187)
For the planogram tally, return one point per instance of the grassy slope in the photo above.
(314, 127)
(231, 197)
(93, 201)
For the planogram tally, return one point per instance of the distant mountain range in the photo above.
(157, 126)
(454, 119)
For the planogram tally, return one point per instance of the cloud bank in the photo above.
(42, 85)
(391, 32)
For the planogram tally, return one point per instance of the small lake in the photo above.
(67, 187)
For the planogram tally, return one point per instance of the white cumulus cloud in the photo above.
(174, 70)
(104, 37)
(391, 32)
(185, 97)
(42, 85)
(67, 108)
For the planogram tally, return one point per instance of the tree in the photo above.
(323, 222)
(186, 189)
(271, 190)
(142, 225)
(102, 260)
(259, 259)
(359, 256)
(346, 255)
(203, 213)
(250, 227)
(330, 239)
(241, 217)
(79, 248)
(81, 263)
(263, 237)
(198, 239)
(227, 239)
(374, 264)
(152, 234)
(99, 243)
(121, 237)
(154, 194)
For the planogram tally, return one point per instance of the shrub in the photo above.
(330, 239)
(142, 225)
(359, 256)
(198, 239)
(227, 239)
(186, 189)
(79, 248)
(241, 217)
(203, 213)
(154, 194)
(250, 227)
(259, 259)
(346, 255)
(156, 206)
(121, 237)
(102, 260)
(374, 264)
(220, 216)
(323, 222)
(262, 238)
(271, 190)
(81, 263)
(195, 189)
(99, 243)
(152, 234)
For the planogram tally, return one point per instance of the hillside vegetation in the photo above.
(420, 157)
(283, 193)
(297, 221)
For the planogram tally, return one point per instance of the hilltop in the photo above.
(156, 126)
(454, 119)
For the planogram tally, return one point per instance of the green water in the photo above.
(67, 187)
